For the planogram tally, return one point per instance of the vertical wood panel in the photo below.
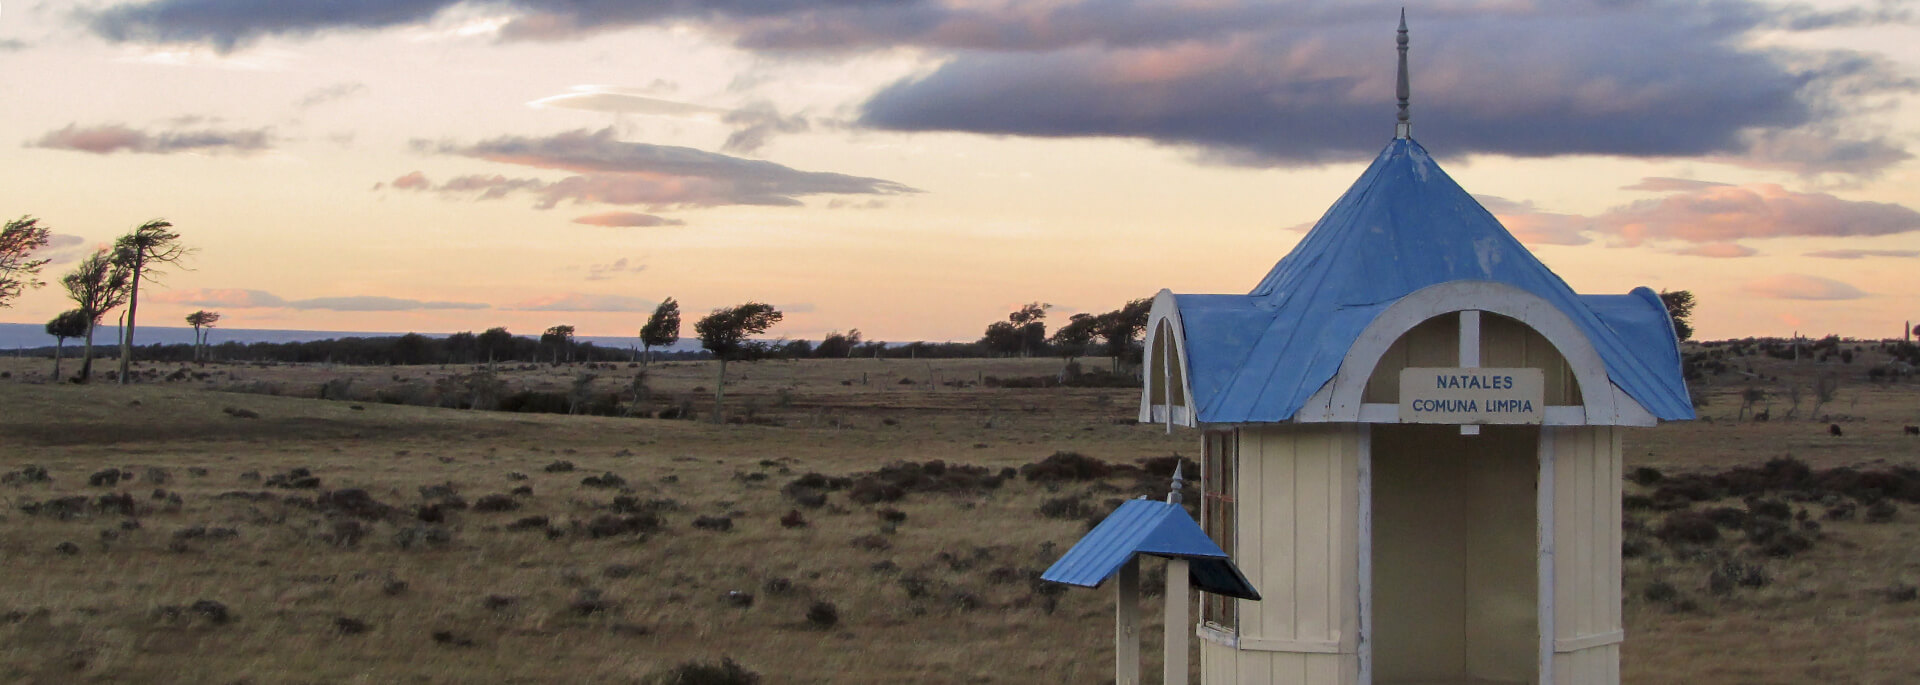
(1313, 517)
(1603, 523)
(1250, 501)
(1256, 668)
(1615, 567)
(1347, 602)
(1566, 539)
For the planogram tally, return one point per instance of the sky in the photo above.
(917, 169)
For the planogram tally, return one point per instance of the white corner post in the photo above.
(1126, 624)
(1178, 627)
(1469, 353)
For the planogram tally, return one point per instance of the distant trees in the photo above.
(139, 253)
(1072, 339)
(72, 323)
(1680, 306)
(560, 338)
(1030, 321)
(838, 345)
(493, 341)
(725, 332)
(1121, 328)
(200, 320)
(18, 268)
(662, 328)
(96, 286)
(1002, 338)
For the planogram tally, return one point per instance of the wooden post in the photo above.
(1178, 627)
(1126, 624)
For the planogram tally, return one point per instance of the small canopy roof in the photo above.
(1153, 528)
(1404, 226)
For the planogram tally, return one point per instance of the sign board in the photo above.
(1472, 395)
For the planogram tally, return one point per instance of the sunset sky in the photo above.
(918, 168)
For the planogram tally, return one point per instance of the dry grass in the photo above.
(99, 615)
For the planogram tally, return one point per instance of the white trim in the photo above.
(1261, 644)
(1214, 633)
(1469, 352)
(1339, 400)
(1543, 527)
(1363, 539)
(1381, 412)
(1575, 644)
(1166, 310)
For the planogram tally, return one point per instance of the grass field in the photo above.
(619, 584)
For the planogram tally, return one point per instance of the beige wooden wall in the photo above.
(1586, 536)
(1504, 343)
(1455, 567)
(1297, 542)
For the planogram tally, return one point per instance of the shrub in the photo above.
(823, 615)
(1687, 527)
(1660, 591)
(727, 672)
(1645, 475)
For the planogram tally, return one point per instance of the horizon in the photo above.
(919, 170)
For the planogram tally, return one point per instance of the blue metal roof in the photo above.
(1403, 226)
(1154, 528)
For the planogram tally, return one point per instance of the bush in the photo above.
(727, 672)
(823, 615)
(1687, 527)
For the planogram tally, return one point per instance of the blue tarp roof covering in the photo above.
(1155, 528)
(1403, 226)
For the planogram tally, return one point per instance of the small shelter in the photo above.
(1411, 443)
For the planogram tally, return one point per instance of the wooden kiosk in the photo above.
(1411, 444)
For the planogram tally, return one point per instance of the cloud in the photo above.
(378, 303)
(1286, 84)
(627, 220)
(616, 172)
(625, 101)
(326, 94)
(602, 272)
(62, 248)
(757, 123)
(1529, 224)
(1858, 254)
(580, 302)
(250, 299)
(221, 297)
(1710, 215)
(110, 138)
(1718, 251)
(12, 45)
(412, 181)
(1802, 287)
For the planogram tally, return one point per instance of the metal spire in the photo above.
(1405, 128)
(1173, 496)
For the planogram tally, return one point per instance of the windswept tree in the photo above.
(96, 286)
(1072, 339)
(725, 333)
(838, 344)
(662, 328)
(69, 324)
(1030, 321)
(1679, 306)
(1121, 328)
(1002, 337)
(140, 253)
(18, 268)
(561, 338)
(494, 340)
(202, 322)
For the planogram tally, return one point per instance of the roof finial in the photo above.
(1173, 496)
(1405, 128)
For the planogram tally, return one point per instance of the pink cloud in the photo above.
(627, 220)
(1801, 287)
(110, 138)
(220, 297)
(1718, 251)
(1858, 254)
(413, 181)
(1722, 213)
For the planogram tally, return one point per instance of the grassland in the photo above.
(319, 590)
